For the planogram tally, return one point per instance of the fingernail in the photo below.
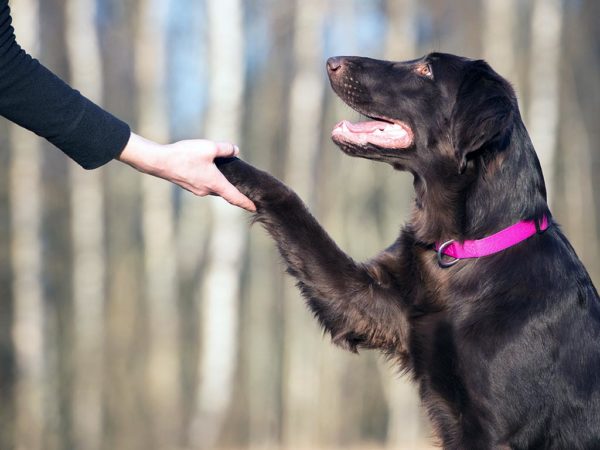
(236, 150)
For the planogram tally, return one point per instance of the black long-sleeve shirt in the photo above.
(35, 98)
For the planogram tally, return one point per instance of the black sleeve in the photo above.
(35, 98)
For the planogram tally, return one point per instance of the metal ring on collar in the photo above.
(440, 255)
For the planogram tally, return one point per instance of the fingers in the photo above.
(226, 150)
(205, 177)
(225, 189)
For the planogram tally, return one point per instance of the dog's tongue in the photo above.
(366, 127)
(376, 132)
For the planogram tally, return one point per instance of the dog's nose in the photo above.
(334, 63)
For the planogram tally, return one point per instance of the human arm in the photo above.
(35, 98)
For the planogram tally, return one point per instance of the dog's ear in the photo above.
(483, 113)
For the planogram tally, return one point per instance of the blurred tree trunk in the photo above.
(499, 36)
(544, 75)
(578, 161)
(589, 101)
(57, 263)
(577, 175)
(87, 229)
(158, 227)
(126, 406)
(8, 370)
(220, 292)
(580, 134)
(264, 144)
(29, 324)
(400, 41)
(302, 342)
(26, 258)
(186, 69)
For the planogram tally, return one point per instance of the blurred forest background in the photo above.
(134, 315)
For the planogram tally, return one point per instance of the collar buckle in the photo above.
(444, 264)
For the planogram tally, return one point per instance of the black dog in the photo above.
(506, 347)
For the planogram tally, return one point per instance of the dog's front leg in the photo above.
(359, 304)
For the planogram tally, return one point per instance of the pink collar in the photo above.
(489, 245)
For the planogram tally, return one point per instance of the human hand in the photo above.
(189, 164)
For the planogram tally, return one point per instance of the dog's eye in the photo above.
(425, 70)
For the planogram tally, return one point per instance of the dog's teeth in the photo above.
(395, 129)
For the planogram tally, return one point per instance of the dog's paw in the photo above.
(259, 186)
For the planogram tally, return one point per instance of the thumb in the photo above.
(226, 150)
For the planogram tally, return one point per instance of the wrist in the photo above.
(143, 155)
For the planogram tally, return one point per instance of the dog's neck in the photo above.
(496, 191)
(509, 189)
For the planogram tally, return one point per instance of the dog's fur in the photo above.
(505, 348)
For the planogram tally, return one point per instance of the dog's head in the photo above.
(455, 124)
(438, 103)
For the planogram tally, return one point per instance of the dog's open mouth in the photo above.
(393, 135)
